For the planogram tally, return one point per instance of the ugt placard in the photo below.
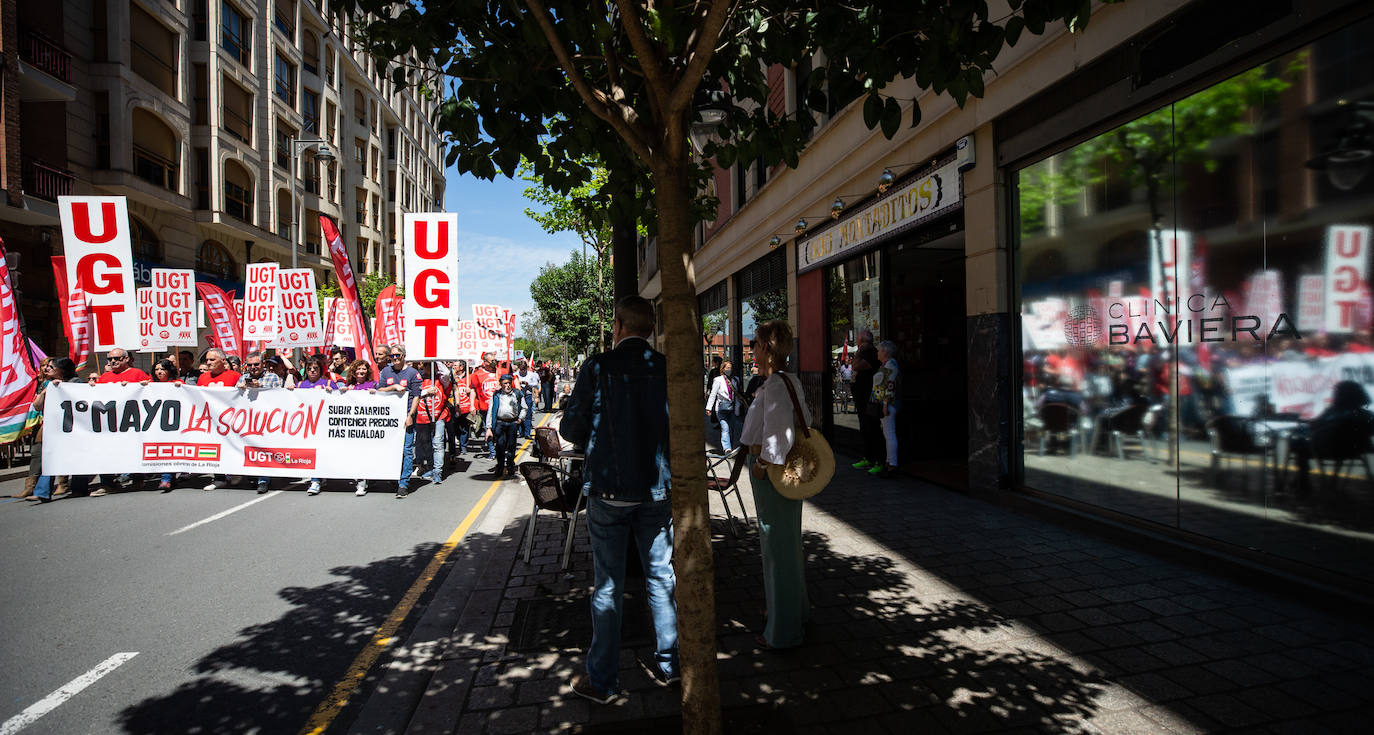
(100, 261)
(431, 298)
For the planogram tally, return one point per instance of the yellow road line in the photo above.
(330, 708)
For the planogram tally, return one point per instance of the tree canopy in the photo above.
(572, 300)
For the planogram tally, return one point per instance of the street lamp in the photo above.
(323, 154)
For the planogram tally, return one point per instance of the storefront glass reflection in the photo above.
(855, 304)
(1195, 297)
(754, 311)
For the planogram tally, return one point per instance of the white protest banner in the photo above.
(1347, 256)
(298, 314)
(169, 428)
(343, 322)
(100, 262)
(431, 295)
(1264, 296)
(1311, 304)
(1043, 323)
(260, 302)
(490, 316)
(1170, 263)
(147, 331)
(174, 304)
(1299, 386)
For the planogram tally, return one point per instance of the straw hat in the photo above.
(808, 468)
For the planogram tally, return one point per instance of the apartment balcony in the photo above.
(45, 74)
(45, 181)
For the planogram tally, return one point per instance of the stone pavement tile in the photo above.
(1154, 687)
(1151, 631)
(1274, 702)
(1164, 607)
(1279, 664)
(1113, 636)
(1123, 722)
(1179, 718)
(1175, 653)
(1303, 727)
(472, 724)
(1132, 660)
(1237, 671)
(513, 720)
(541, 691)
(1128, 612)
(490, 697)
(1198, 680)
(1318, 693)
(563, 713)
(626, 710)
(1058, 622)
(1050, 603)
(1094, 616)
(1227, 710)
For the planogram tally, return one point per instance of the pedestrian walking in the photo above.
(257, 376)
(504, 414)
(546, 385)
(870, 431)
(529, 385)
(619, 412)
(359, 377)
(218, 374)
(165, 371)
(887, 394)
(316, 377)
(402, 378)
(723, 403)
(485, 382)
(769, 432)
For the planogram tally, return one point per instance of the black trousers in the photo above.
(870, 433)
(504, 435)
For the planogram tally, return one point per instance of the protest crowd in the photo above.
(448, 406)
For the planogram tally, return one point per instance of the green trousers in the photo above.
(784, 566)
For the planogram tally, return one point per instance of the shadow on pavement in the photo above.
(274, 676)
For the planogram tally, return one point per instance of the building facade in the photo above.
(1124, 283)
(191, 108)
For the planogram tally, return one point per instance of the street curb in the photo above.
(13, 473)
(424, 680)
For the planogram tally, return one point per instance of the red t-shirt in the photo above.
(432, 408)
(129, 375)
(463, 397)
(227, 378)
(484, 384)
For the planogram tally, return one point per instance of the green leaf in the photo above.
(892, 117)
(975, 81)
(915, 113)
(1014, 27)
(873, 110)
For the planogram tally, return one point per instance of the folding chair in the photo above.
(726, 484)
(551, 494)
(551, 449)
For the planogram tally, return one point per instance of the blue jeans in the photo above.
(729, 428)
(408, 457)
(438, 445)
(548, 396)
(527, 428)
(44, 487)
(610, 527)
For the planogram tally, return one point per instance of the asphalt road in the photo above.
(242, 624)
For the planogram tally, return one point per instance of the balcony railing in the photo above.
(285, 26)
(360, 217)
(44, 181)
(156, 169)
(46, 55)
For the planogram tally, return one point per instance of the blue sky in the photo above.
(500, 250)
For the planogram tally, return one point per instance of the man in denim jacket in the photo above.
(619, 411)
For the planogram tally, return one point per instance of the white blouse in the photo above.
(770, 422)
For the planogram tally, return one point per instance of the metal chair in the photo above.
(550, 445)
(551, 493)
(1058, 420)
(1129, 425)
(727, 483)
(1232, 436)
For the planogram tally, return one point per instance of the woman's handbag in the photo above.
(810, 463)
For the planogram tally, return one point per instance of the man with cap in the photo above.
(504, 415)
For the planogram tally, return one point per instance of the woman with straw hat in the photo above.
(770, 430)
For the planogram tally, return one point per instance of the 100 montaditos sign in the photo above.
(163, 427)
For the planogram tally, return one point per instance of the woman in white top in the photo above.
(725, 401)
(769, 431)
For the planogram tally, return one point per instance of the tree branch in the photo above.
(656, 76)
(704, 47)
(618, 116)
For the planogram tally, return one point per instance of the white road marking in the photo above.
(69, 690)
(222, 514)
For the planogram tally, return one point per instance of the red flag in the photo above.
(348, 289)
(329, 323)
(844, 351)
(75, 321)
(219, 309)
(18, 379)
(388, 317)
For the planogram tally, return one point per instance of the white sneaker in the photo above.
(214, 485)
(314, 488)
(415, 473)
(362, 488)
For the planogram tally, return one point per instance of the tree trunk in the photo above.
(624, 257)
(692, 556)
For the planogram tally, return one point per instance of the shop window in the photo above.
(762, 291)
(854, 303)
(1182, 345)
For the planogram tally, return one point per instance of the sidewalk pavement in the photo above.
(931, 612)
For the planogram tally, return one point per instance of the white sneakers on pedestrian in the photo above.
(362, 488)
(214, 485)
(314, 488)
